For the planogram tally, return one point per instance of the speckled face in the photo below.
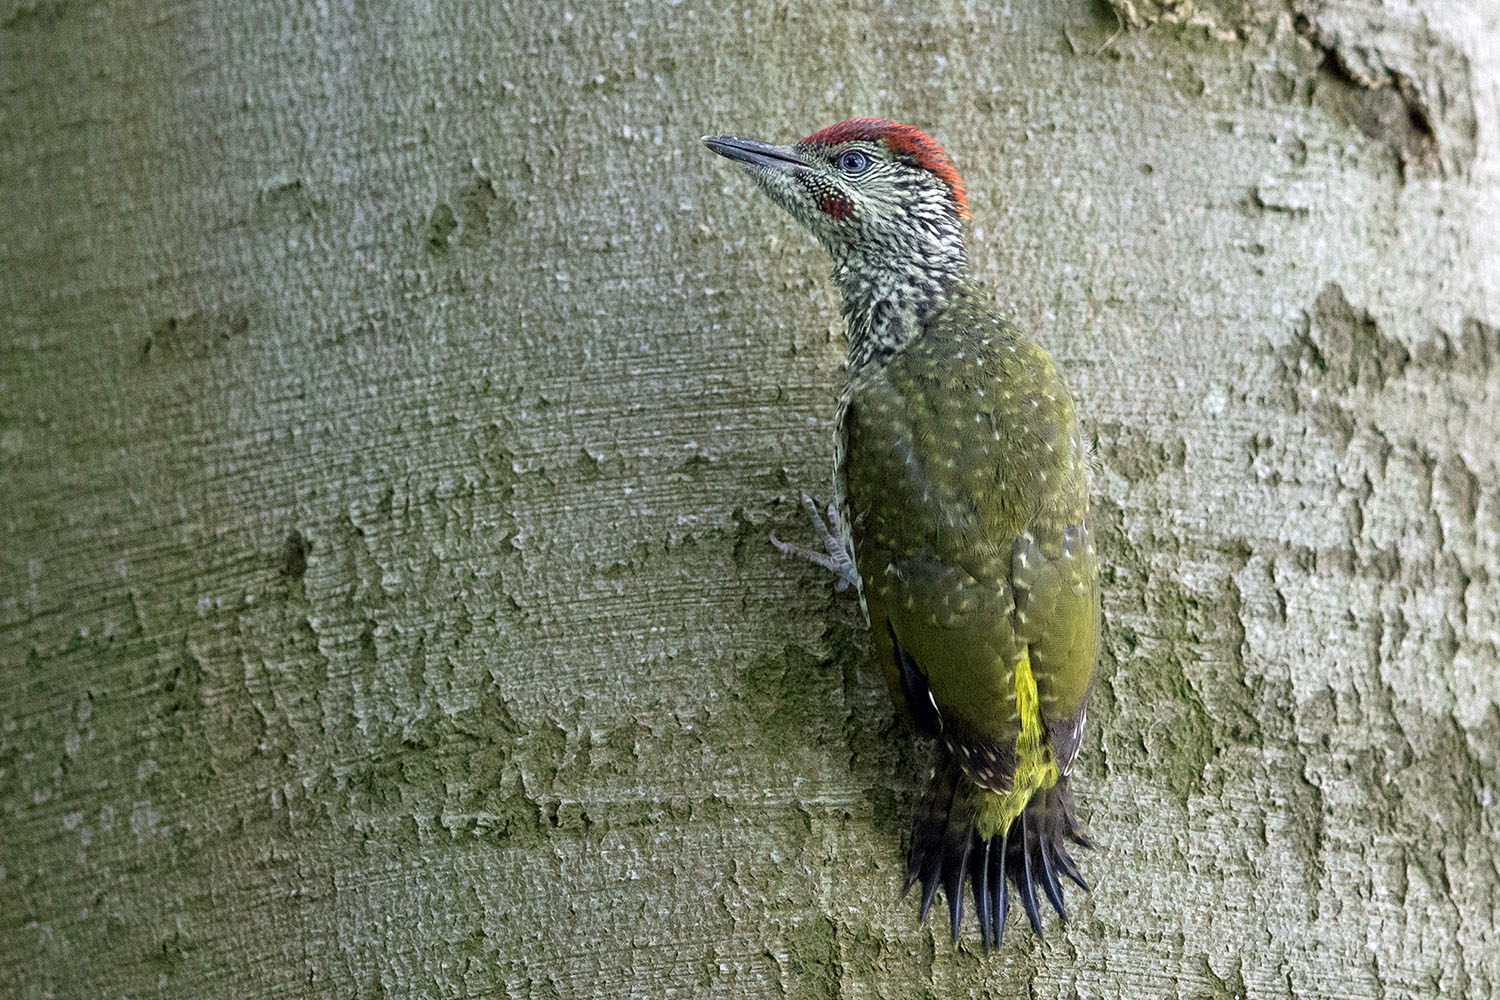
(867, 196)
(865, 187)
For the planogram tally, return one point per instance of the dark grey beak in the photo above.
(755, 153)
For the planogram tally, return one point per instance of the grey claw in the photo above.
(835, 557)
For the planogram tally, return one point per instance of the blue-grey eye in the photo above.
(853, 162)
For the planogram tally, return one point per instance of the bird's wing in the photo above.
(970, 563)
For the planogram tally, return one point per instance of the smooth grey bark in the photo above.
(395, 400)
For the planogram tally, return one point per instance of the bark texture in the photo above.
(395, 399)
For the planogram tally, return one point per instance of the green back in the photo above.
(967, 493)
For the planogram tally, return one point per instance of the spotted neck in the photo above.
(885, 302)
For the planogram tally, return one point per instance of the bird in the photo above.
(960, 515)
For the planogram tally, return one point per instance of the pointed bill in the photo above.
(755, 153)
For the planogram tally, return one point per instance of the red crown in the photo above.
(904, 140)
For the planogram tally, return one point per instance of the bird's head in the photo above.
(871, 191)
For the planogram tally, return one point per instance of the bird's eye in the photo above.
(853, 162)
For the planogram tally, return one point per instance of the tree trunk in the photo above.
(395, 403)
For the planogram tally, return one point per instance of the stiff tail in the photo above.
(947, 850)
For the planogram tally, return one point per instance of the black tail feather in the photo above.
(1026, 884)
(999, 890)
(981, 880)
(947, 850)
(1050, 884)
(946, 810)
(953, 885)
(1067, 867)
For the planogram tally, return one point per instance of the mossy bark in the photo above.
(394, 404)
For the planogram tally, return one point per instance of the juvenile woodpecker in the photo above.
(960, 514)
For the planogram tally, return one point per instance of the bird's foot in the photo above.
(836, 556)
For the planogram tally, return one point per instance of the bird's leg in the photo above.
(836, 556)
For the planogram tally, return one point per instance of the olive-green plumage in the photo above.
(962, 497)
(967, 499)
(966, 490)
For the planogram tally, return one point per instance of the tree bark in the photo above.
(396, 400)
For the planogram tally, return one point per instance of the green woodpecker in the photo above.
(960, 513)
